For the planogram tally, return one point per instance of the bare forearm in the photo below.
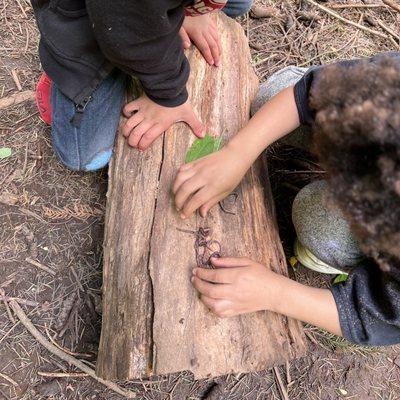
(275, 119)
(308, 304)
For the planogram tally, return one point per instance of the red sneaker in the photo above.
(42, 97)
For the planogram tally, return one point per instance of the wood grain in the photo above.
(153, 322)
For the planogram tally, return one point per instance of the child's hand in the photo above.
(151, 120)
(237, 286)
(202, 31)
(204, 182)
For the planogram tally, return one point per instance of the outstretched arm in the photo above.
(240, 285)
(195, 185)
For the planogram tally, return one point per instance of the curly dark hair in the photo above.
(357, 140)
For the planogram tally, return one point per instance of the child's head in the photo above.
(357, 139)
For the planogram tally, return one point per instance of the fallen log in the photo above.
(153, 322)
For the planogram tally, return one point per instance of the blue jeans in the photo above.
(89, 147)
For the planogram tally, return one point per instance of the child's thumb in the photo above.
(195, 124)
(185, 38)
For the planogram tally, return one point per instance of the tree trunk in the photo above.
(153, 321)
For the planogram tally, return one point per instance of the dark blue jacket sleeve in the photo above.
(142, 39)
(304, 85)
(369, 305)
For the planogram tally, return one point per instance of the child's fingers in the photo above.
(215, 52)
(187, 188)
(210, 303)
(216, 306)
(197, 200)
(215, 35)
(204, 48)
(181, 178)
(185, 38)
(131, 123)
(213, 290)
(205, 208)
(150, 136)
(138, 132)
(195, 124)
(131, 107)
(186, 167)
(222, 275)
(226, 262)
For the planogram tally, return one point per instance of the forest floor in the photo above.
(53, 217)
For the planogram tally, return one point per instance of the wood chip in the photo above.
(17, 98)
(14, 75)
(263, 12)
(8, 199)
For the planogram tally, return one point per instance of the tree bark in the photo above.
(153, 321)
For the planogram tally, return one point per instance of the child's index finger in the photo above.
(213, 275)
(229, 261)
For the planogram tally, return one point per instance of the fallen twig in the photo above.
(20, 301)
(63, 356)
(279, 382)
(84, 355)
(288, 377)
(62, 374)
(347, 21)
(17, 98)
(389, 31)
(355, 5)
(392, 4)
(8, 379)
(9, 313)
(40, 266)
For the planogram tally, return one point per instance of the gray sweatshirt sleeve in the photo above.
(369, 305)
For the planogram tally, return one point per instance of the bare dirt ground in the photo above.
(53, 217)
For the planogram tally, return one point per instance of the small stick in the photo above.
(71, 353)
(341, 6)
(388, 30)
(288, 377)
(281, 386)
(9, 313)
(16, 98)
(62, 374)
(346, 21)
(9, 281)
(40, 266)
(22, 9)
(19, 312)
(8, 379)
(392, 4)
(16, 79)
(20, 301)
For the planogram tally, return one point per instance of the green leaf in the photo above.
(203, 147)
(341, 278)
(5, 152)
